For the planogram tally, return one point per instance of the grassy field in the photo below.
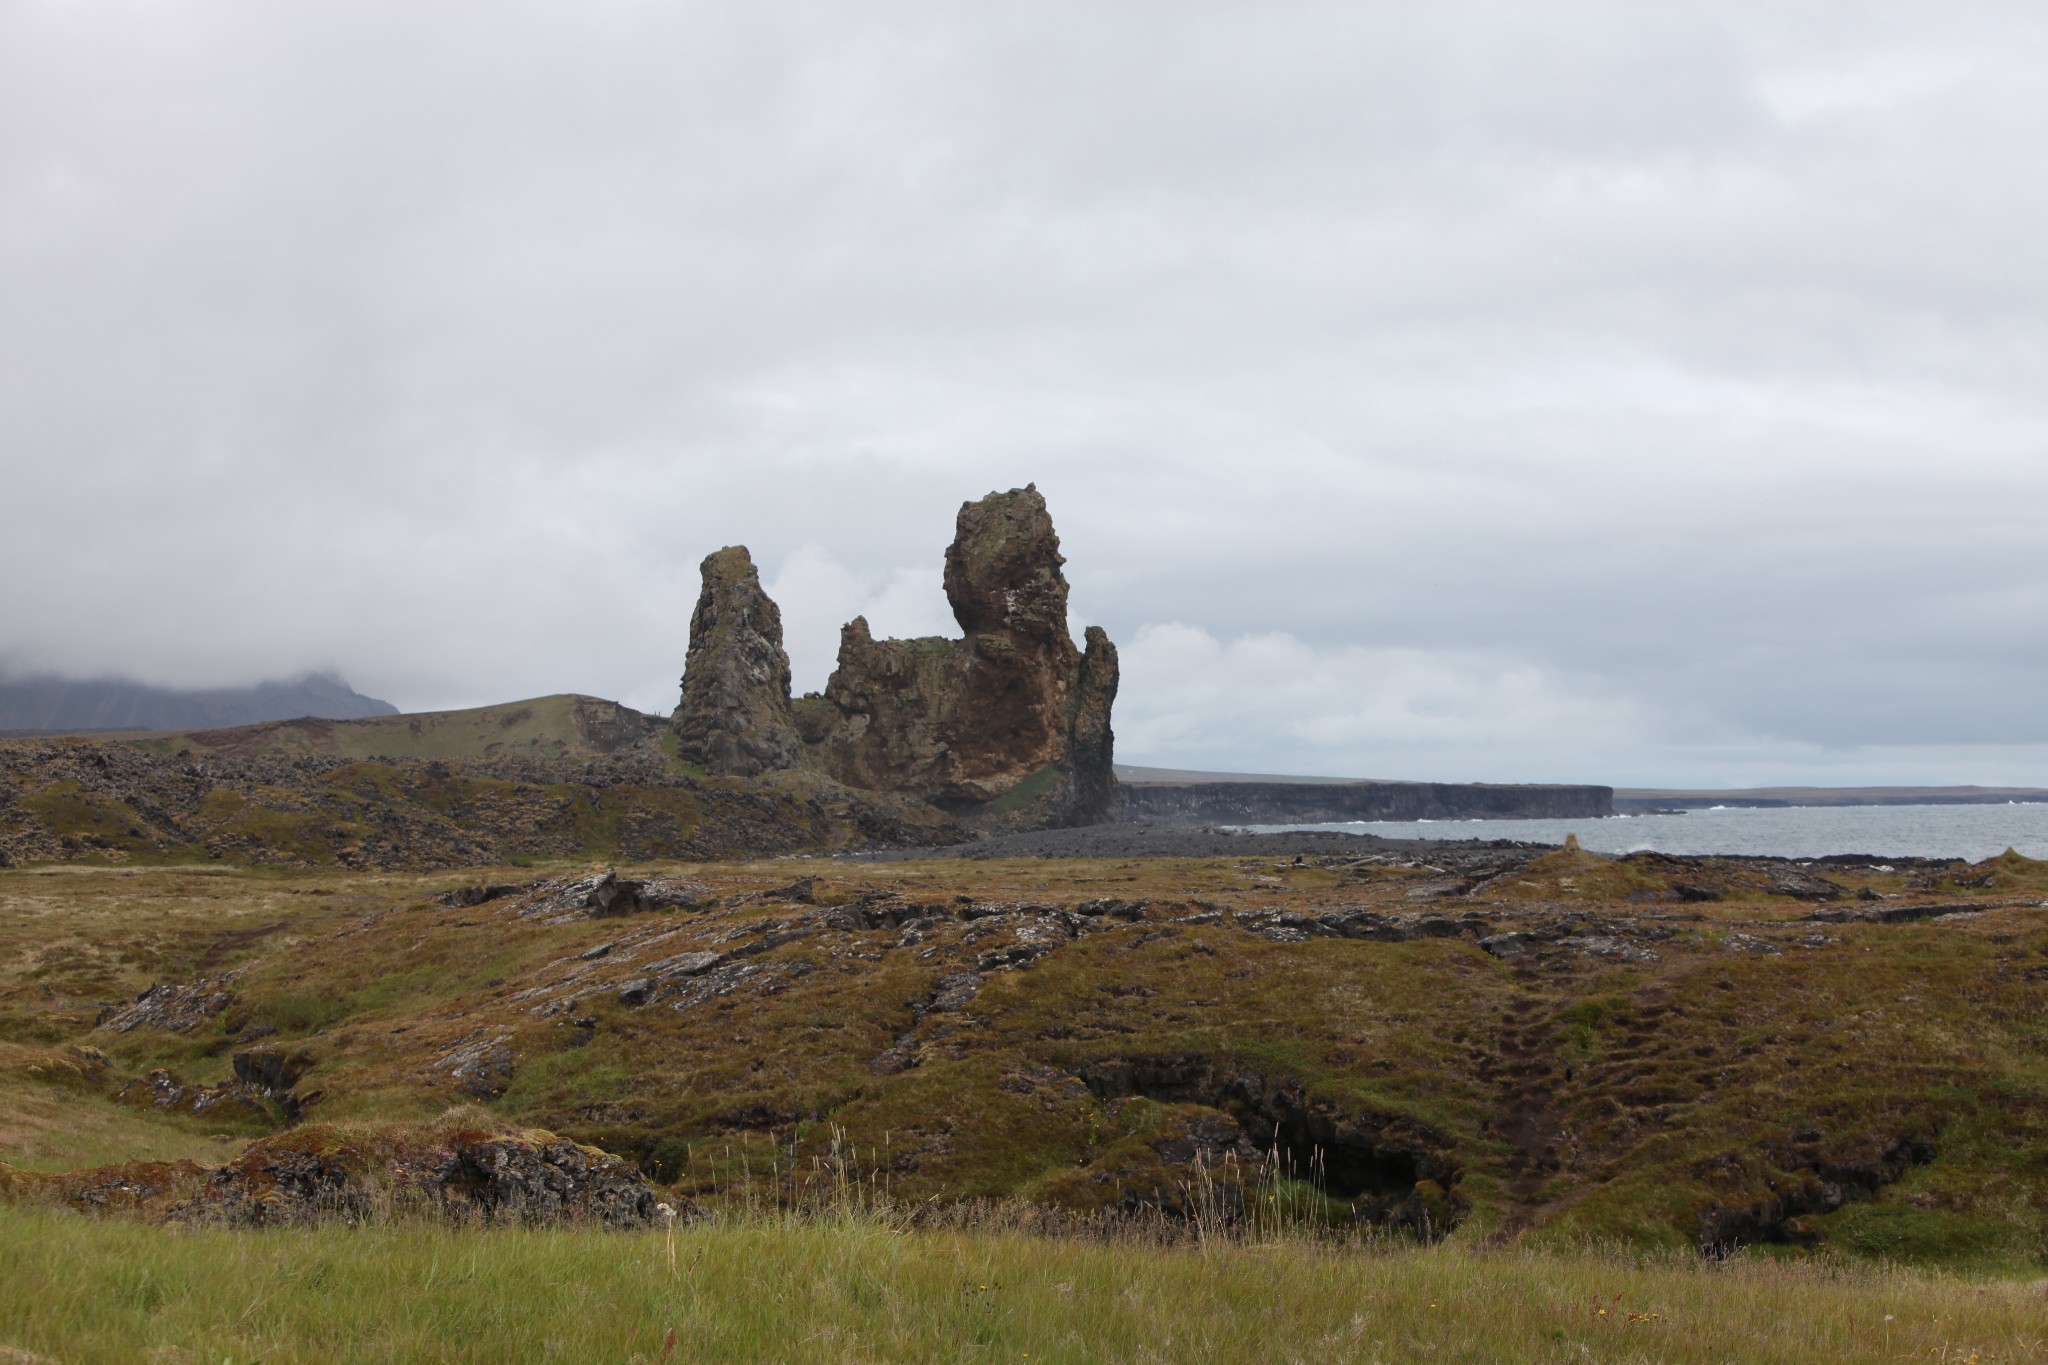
(78, 1290)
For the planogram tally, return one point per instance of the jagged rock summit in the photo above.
(1007, 726)
(1010, 722)
(734, 717)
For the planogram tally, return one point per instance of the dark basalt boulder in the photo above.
(734, 717)
(317, 1174)
(540, 1182)
(1009, 723)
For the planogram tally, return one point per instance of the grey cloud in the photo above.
(1687, 355)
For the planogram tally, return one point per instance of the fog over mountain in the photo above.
(49, 703)
(1638, 394)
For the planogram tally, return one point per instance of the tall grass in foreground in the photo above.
(75, 1289)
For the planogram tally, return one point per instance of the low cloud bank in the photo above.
(1579, 391)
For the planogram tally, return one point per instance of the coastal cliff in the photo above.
(1287, 803)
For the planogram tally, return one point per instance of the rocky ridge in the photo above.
(67, 799)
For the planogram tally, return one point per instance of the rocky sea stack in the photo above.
(734, 717)
(1008, 726)
(1011, 720)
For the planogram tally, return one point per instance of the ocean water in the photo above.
(1970, 832)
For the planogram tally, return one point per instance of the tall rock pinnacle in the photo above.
(1011, 720)
(734, 717)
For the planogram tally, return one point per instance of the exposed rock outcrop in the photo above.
(1011, 722)
(177, 1009)
(1809, 1173)
(734, 717)
(161, 1090)
(309, 1177)
(1391, 1170)
(597, 894)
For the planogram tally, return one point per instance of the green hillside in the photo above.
(561, 726)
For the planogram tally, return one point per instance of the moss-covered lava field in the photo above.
(1480, 1043)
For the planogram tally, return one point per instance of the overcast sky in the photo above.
(1614, 392)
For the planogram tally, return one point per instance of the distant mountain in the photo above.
(49, 704)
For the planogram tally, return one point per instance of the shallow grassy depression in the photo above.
(75, 1289)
